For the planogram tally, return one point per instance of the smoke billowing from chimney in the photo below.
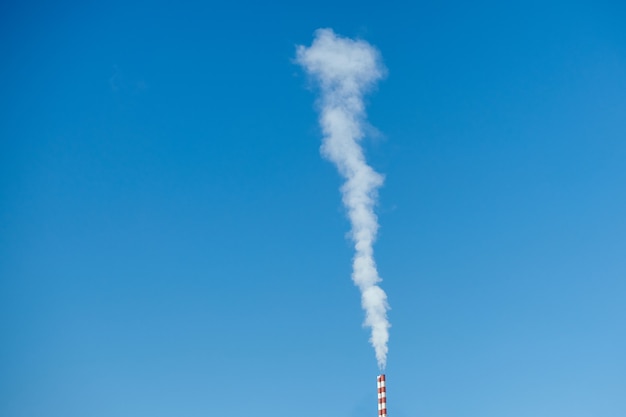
(345, 70)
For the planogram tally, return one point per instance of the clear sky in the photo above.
(173, 244)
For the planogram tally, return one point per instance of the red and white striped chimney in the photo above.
(382, 396)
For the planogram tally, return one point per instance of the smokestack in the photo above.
(382, 396)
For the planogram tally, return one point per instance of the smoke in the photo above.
(345, 70)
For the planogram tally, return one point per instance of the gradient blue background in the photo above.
(172, 243)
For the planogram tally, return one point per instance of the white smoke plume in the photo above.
(345, 70)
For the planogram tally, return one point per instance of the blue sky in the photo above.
(173, 244)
